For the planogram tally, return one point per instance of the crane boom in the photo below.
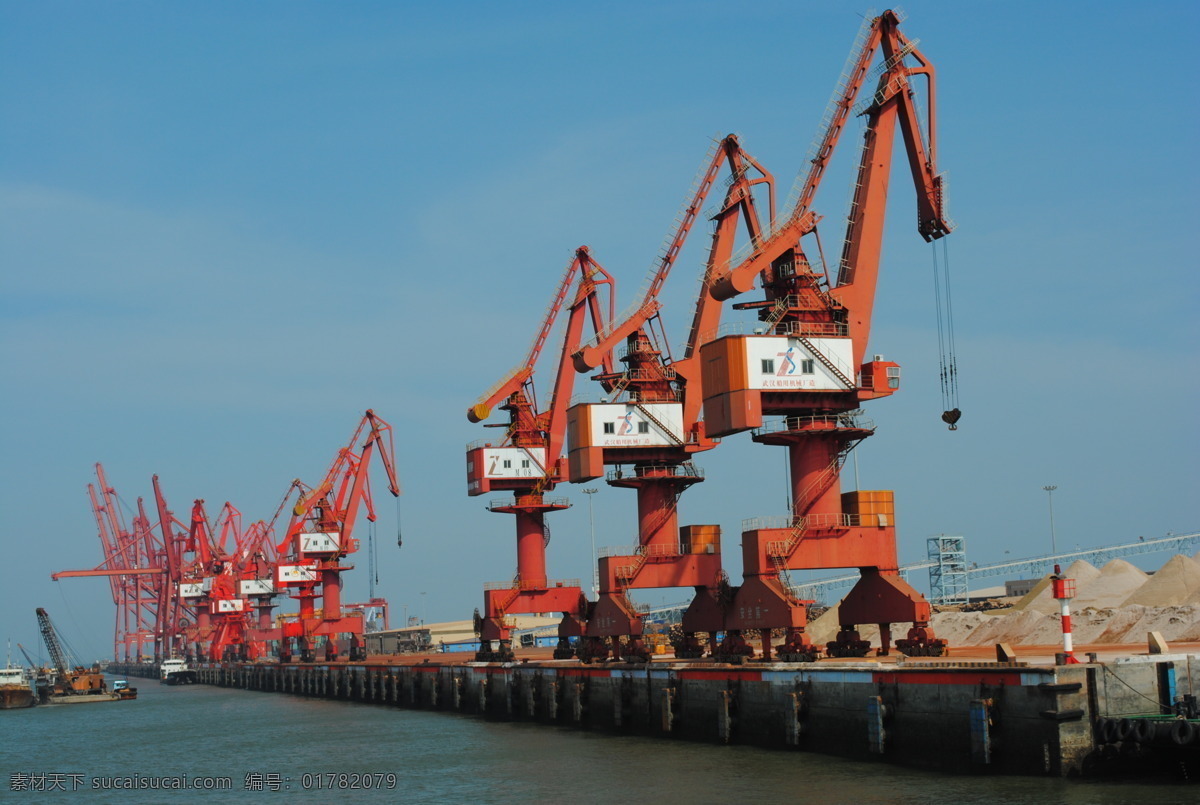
(892, 97)
(54, 647)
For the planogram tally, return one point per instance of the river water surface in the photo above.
(271, 747)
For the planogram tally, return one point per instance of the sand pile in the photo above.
(1175, 583)
(1117, 581)
(1084, 574)
(1116, 604)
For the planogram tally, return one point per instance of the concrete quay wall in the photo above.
(984, 717)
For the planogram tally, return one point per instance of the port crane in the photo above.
(233, 572)
(806, 363)
(528, 462)
(142, 575)
(652, 434)
(320, 536)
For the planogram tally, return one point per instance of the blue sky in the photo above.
(226, 230)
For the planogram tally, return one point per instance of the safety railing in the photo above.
(848, 420)
(806, 522)
(656, 471)
(657, 550)
(500, 504)
(530, 585)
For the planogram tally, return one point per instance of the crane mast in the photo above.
(806, 364)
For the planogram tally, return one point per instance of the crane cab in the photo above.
(614, 433)
(503, 468)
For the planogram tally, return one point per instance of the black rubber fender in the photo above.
(1183, 732)
(1125, 729)
(1143, 730)
(1100, 727)
(1111, 729)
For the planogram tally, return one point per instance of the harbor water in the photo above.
(233, 745)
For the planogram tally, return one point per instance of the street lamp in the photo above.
(422, 609)
(592, 522)
(1050, 496)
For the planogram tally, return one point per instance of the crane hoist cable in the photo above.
(947, 357)
(399, 539)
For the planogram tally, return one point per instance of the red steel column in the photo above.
(531, 548)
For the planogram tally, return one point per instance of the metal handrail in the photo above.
(504, 503)
(815, 329)
(797, 423)
(530, 585)
(677, 471)
(804, 522)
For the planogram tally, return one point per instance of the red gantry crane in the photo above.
(806, 362)
(320, 535)
(528, 462)
(652, 433)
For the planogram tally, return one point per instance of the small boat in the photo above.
(122, 689)
(15, 691)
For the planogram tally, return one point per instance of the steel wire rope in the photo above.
(72, 654)
(950, 323)
(941, 332)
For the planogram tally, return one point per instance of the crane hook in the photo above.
(951, 418)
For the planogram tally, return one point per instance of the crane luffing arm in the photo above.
(351, 470)
(739, 203)
(360, 491)
(200, 539)
(592, 275)
(731, 280)
(230, 522)
(590, 355)
(892, 103)
(518, 377)
(174, 545)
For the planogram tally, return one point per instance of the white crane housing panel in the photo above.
(257, 587)
(297, 574)
(776, 363)
(319, 541)
(190, 589)
(511, 462)
(229, 605)
(631, 425)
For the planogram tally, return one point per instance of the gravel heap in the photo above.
(1117, 604)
